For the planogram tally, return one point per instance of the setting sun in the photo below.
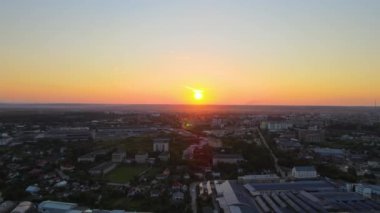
(198, 94)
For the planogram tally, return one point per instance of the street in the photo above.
(276, 166)
(193, 194)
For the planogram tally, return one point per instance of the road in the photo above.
(276, 166)
(193, 194)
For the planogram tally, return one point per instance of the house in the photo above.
(55, 207)
(118, 156)
(161, 145)
(141, 157)
(102, 168)
(304, 172)
(226, 158)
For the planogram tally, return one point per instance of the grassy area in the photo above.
(138, 144)
(131, 145)
(154, 171)
(158, 205)
(125, 173)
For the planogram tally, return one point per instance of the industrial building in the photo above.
(296, 196)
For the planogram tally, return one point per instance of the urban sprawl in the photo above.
(56, 161)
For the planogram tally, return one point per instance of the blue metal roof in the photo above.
(298, 185)
(57, 205)
(305, 168)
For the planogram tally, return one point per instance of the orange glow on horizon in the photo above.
(222, 80)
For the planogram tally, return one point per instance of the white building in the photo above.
(161, 145)
(118, 156)
(304, 172)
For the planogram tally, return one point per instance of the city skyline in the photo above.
(150, 52)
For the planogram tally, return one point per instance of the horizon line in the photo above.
(178, 104)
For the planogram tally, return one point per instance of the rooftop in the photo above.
(319, 185)
(57, 205)
(305, 168)
(289, 197)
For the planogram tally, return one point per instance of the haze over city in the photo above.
(151, 52)
(189, 106)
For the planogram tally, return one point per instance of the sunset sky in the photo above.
(294, 52)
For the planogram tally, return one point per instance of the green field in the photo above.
(124, 173)
(131, 145)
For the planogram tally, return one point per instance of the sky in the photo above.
(244, 52)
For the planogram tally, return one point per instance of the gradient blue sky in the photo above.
(239, 52)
